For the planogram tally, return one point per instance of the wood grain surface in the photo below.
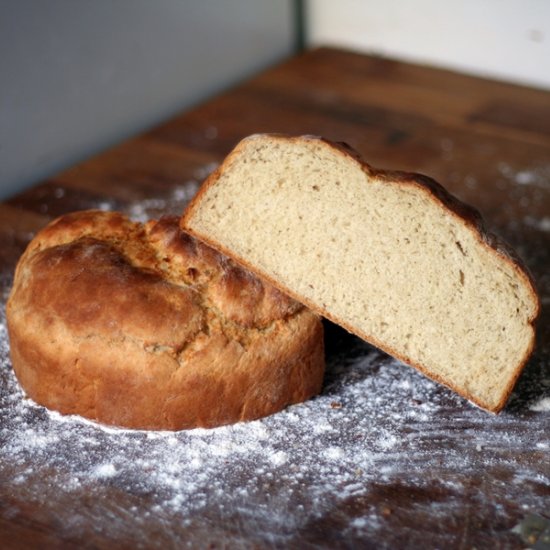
(489, 144)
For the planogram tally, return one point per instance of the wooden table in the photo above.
(464, 480)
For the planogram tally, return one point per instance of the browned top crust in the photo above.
(100, 255)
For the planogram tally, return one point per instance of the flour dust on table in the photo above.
(382, 454)
(378, 428)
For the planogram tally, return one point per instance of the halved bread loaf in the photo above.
(390, 256)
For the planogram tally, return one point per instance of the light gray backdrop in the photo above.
(77, 76)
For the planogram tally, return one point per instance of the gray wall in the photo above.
(79, 75)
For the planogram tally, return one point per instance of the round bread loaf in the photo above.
(142, 326)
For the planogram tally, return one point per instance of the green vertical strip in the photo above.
(299, 25)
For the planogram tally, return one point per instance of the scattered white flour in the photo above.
(171, 202)
(542, 225)
(542, 404)
(59, 193)
(203, 172)
(378, 426)
(154, 208)
(471, 182)
(537, 176)
(381, 447)
(105, 470)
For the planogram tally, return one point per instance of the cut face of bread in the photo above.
(391, 257)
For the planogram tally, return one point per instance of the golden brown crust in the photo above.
(142, 326)
(435, 192)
